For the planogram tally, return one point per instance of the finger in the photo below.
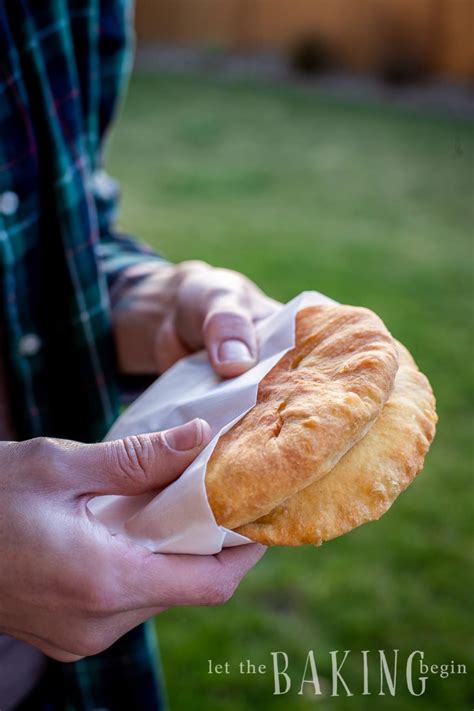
(51, 650)
(176, 580)
(139, 463)
(168, 347)
(57, 653)
(229, 335)
(122, 622)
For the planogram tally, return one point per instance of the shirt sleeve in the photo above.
(122, 258)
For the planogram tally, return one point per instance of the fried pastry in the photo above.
(315, 404)
(368, 478)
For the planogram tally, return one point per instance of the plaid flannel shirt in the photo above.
(62, 68)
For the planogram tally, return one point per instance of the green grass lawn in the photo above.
(372, 206)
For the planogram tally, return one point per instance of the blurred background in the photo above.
(397, 38)
(328, 146)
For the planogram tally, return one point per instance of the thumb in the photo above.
(141, 463)
(230, 339)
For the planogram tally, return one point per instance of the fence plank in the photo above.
(438, 32)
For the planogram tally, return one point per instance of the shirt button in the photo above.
(9, 202)
(105, 186)
(29, 344)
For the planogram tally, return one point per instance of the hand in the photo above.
(67, 586)
(176, 310)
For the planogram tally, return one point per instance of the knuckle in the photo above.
(46, 453)
(219, 593)
(66, 657)
(232, 320)
(40, 447)
(132, 456)
(192, 264)
(191, 273)
(227, 283)
(90, 641)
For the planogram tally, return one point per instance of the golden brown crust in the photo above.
(312, 407)
(366, 481)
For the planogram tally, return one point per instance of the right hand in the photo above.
(69, 587)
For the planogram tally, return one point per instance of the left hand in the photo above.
(75, 605)
(178, 309)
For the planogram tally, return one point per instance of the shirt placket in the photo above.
(25, 344)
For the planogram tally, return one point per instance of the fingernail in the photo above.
(234, 351)
(188, 436)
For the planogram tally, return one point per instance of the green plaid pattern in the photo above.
(63, 64)
(62, 68)
(120, 678)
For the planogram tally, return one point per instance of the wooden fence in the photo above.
(438, 32)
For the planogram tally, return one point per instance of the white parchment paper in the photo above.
(179, 519)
